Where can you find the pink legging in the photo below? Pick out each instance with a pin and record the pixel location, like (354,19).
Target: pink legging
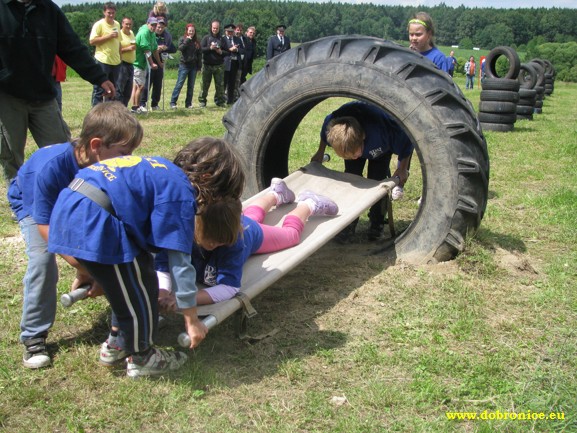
(276,238)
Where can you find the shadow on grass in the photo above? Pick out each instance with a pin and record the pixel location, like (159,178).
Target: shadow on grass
(490,239)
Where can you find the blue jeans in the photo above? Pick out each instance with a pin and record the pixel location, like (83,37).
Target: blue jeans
(39,303)
(185,72)
(470,83)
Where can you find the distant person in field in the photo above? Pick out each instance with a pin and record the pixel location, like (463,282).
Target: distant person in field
(128,56)
(278,43)
(470,71)
(105,36)
(190,64)
(452,63)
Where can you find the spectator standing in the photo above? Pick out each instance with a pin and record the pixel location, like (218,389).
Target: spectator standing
(421,36)
(249,53)
(470,67)
(241,63)
(127,56)
(165,47)
(232,52)
(452,63)
(146,50)
(59,75)
(105,36)
(159,10)
(212,65)
(190,64)
(278,44)
(32,34)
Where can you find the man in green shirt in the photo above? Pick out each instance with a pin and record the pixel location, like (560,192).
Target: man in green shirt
(146,48)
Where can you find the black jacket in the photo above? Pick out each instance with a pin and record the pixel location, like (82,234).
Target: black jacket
(190,53)
(30,37)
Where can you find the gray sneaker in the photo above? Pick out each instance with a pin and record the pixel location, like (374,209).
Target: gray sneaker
(35,354)
(110,355)
(324,206)
(279,186)
(156,363)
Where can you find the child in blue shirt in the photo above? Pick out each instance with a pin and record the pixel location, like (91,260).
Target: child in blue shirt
(147,204)
(108,130)
(225,239)
(359,132)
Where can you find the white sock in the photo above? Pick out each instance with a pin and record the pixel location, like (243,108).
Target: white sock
(278,198)
(311,204)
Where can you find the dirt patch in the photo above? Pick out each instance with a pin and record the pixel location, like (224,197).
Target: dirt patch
(515,263)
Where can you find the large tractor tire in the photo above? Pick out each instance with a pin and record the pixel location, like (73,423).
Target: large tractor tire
(424,100)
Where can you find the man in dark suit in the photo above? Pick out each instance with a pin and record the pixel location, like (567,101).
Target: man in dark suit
(250,53)
(278,44)
(232,53)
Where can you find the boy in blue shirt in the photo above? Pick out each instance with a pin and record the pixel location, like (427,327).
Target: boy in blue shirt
(108,130)
(359,132)
(145,205)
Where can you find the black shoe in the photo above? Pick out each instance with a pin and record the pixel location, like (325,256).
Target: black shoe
(35,354)
(375,231)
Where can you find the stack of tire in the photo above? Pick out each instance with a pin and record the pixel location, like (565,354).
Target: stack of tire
(527,92)
(539,66)
(500,94)
(549,77)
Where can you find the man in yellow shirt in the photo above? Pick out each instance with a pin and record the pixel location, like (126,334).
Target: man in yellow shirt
(105,36)
(127,56)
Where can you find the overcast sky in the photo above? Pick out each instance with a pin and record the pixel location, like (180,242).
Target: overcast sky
(508,4)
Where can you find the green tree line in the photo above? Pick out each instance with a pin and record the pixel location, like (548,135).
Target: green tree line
(485,28)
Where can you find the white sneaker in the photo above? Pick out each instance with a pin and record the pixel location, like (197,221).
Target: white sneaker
(141,110)
(110,355)
(398,192)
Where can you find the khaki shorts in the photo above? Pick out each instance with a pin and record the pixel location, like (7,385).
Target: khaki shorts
(139,77)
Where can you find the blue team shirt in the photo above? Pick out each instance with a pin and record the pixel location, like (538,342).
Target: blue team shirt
(34,190)
(383,135)
(438,58)
(223,265)
(154,204)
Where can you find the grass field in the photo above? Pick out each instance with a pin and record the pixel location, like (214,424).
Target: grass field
(359,344)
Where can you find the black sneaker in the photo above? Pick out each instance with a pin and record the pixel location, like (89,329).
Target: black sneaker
(375,231)
(35,354)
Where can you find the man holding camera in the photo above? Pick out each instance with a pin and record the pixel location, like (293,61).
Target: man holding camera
(213,52)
